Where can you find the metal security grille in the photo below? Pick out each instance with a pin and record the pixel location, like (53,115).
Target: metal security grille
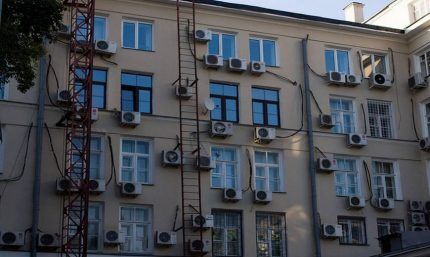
(380,118)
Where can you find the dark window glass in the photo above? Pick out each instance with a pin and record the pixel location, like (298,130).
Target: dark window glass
(98,90)
(136,92)
(226,102)
(265,107)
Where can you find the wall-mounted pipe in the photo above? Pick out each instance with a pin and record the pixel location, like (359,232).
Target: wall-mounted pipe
(309,119)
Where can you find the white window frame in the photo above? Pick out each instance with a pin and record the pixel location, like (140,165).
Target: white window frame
(225,231)
(415,6)
(105,17)
(417,61)
(387,223)
(269,230)
(135,155)
(136,34)
(266,170)
(396,179)
(348,221)
(260,40)
(378,118)
(102,154)
(223,169)
(336,65)
(149,223)
(345,173)
(425,130)
(372,57)
(2,150)
(100,224)
(354,111)
(220,46)
(6,91)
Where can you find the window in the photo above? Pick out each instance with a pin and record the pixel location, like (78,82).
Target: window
(226,102)
(353,231)
(386,180)
(420,8)
(95,226)
(271,236)
(425,111)
(263,50)
(136,224)
(388,226)
(2,147)
(223,44)
(337,60)
(99,88)
(135,161)
(136,93)
(380,119)
(374,63)
(3,90)
(225,174)
(267,171)
(100,28)
(425,63)
(137,35)
(342,111)
(265,106)
(96,162)
(227,234)
(346,177)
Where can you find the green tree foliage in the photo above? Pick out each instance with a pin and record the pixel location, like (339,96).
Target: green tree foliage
(24,24)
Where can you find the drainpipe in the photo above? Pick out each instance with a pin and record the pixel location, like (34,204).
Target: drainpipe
(38,154)
(309,118)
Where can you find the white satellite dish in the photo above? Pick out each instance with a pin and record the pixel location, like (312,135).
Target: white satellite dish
(209,105)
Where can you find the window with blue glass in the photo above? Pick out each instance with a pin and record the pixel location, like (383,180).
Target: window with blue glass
(99,88)
(100,28)
(337,60)
(3,89)
(223,44)
(136,92)
(137,35)
(263,50)
(226,102)
(265,106)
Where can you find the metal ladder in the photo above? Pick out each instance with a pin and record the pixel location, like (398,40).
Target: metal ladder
(189,125)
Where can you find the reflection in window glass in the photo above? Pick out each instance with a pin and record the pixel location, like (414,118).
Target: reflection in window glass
(225,97)
(136,92)
(265,106)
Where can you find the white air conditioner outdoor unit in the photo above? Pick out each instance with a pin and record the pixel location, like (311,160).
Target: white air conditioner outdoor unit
(417,81)
(165,238)
(130,119)
(337,78)
(205,163)
(105,47)
(131,189)
(170,158)
(419,228)
(326,121)
(184,92)
(264,135)
(356,140)
(381,81)
(113,237)
(417,218)
(221,129)
(326,165)
(97,186)
(257,68)
(237,64)
(352,80)
(331,231)
(202,221)
(262,196)
(416,205)
(12,238)
(213,61)
(64,96)
(355,202)
(232,195)
(64,31)
(202,35)
(425,144)
(199,247)
(47,240)
(385,203)
(64,185)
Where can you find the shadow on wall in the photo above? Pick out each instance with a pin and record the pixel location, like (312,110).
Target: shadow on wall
(298,224)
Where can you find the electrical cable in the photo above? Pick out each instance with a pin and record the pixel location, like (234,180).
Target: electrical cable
(302,122)
(53,151)
(369,181)
(364,118)
(248,155)
(393,67)
(108,61)
(294,83)
(316,102)
(189,43)
(360,64)
(47,82)
(316,73)
(413,119)
(321,152)
(113,168)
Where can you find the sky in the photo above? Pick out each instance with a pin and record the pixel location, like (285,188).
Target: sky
(323,8)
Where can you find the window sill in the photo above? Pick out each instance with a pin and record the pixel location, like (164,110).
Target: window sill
(273,66)
(354,244)
(141,50)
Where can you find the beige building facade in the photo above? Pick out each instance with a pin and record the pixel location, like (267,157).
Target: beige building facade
(139,77)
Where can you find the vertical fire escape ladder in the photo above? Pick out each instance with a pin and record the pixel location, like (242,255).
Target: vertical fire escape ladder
(78,129)
(189,128)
